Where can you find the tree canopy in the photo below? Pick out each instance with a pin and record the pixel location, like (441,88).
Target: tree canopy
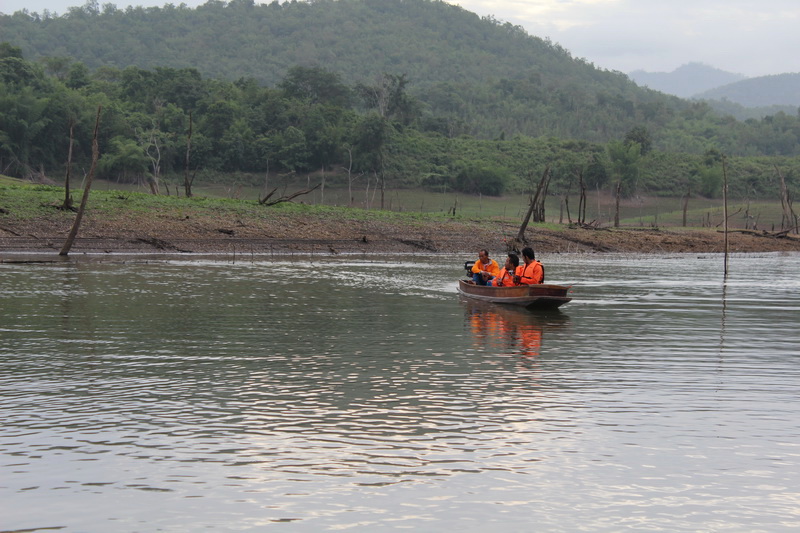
(419,91)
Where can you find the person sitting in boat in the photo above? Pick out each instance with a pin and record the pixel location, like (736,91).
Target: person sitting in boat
(533,271)
(507,275)
(484,268)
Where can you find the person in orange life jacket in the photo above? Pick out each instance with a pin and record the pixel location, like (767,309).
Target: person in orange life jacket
(507,273)
(533,271)
(484,268)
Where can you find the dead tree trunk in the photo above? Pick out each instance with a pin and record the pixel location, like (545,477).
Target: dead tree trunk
(789,219)
(187,183)
(349,170)
(541,196)
(725,208)
(565,205)
(747,214)
(582,201)
(685,206)
(67,193)
(616,205)
(155,161)
(383,187)
(322,188)
(520,239)
(85,199)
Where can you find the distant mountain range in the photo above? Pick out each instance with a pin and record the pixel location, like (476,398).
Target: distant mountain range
(686,80)
(726,92)
(779,89)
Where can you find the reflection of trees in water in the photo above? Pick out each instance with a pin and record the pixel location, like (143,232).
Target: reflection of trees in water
(510,330)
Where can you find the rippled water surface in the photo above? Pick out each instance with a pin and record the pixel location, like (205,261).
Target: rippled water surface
(364,394)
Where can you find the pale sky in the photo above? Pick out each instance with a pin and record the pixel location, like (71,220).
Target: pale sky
(753,38)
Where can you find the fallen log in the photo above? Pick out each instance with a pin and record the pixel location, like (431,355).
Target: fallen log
(285,198)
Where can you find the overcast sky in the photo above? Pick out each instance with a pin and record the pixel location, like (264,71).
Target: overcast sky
(753,38)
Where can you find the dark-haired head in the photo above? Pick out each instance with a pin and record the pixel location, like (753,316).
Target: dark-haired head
(528,252)
(514,259)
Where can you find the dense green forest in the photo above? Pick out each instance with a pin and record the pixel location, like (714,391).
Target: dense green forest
(413,93)
(477,76)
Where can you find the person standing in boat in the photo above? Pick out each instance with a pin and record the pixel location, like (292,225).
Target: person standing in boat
(533,271)
(484,268)
(507,275)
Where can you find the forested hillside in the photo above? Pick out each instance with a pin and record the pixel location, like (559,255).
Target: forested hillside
(485,77)
(406,93)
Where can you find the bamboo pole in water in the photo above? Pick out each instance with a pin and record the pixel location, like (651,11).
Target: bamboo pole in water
(725,214)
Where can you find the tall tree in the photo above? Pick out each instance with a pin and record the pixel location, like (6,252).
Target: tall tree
(316,85)
(641,136)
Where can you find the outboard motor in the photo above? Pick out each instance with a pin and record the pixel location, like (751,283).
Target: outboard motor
(468,267)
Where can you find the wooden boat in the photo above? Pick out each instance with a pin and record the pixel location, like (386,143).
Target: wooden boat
(542,296)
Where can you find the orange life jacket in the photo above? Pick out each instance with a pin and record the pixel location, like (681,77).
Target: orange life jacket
(532,273)
(505,279)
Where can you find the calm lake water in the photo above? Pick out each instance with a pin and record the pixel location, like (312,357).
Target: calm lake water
(362,394)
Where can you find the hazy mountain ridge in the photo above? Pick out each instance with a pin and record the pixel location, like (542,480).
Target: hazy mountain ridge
(686,80)
(764,94)
(774,90)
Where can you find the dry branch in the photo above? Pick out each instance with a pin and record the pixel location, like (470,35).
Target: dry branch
(285,198)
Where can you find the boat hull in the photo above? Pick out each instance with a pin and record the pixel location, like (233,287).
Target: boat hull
(542,296)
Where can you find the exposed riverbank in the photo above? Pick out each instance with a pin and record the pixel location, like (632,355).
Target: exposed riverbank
(333,231)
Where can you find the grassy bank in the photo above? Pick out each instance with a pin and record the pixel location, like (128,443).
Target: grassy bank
(639,211)
(124,219)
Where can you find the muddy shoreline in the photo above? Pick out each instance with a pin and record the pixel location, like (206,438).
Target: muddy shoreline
(302,234)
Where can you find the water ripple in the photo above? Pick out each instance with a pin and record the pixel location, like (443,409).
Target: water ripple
(176,396)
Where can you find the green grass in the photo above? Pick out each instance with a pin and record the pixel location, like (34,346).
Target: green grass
(5,180)
(668,212)
(26,201)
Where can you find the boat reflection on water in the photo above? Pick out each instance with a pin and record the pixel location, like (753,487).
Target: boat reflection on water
(507,330)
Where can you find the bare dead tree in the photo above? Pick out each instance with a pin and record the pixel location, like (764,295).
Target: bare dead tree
(150,141)
(452,210)
(350,178)
(67,205)
(726,218)
(582,201)
(565,205)
(322,188)
(685,205)
(541,196)
(789,219)
(747,216)
(533,209)
(155,161)
(616,205)
(383,182)
(371,201)
(85,199)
